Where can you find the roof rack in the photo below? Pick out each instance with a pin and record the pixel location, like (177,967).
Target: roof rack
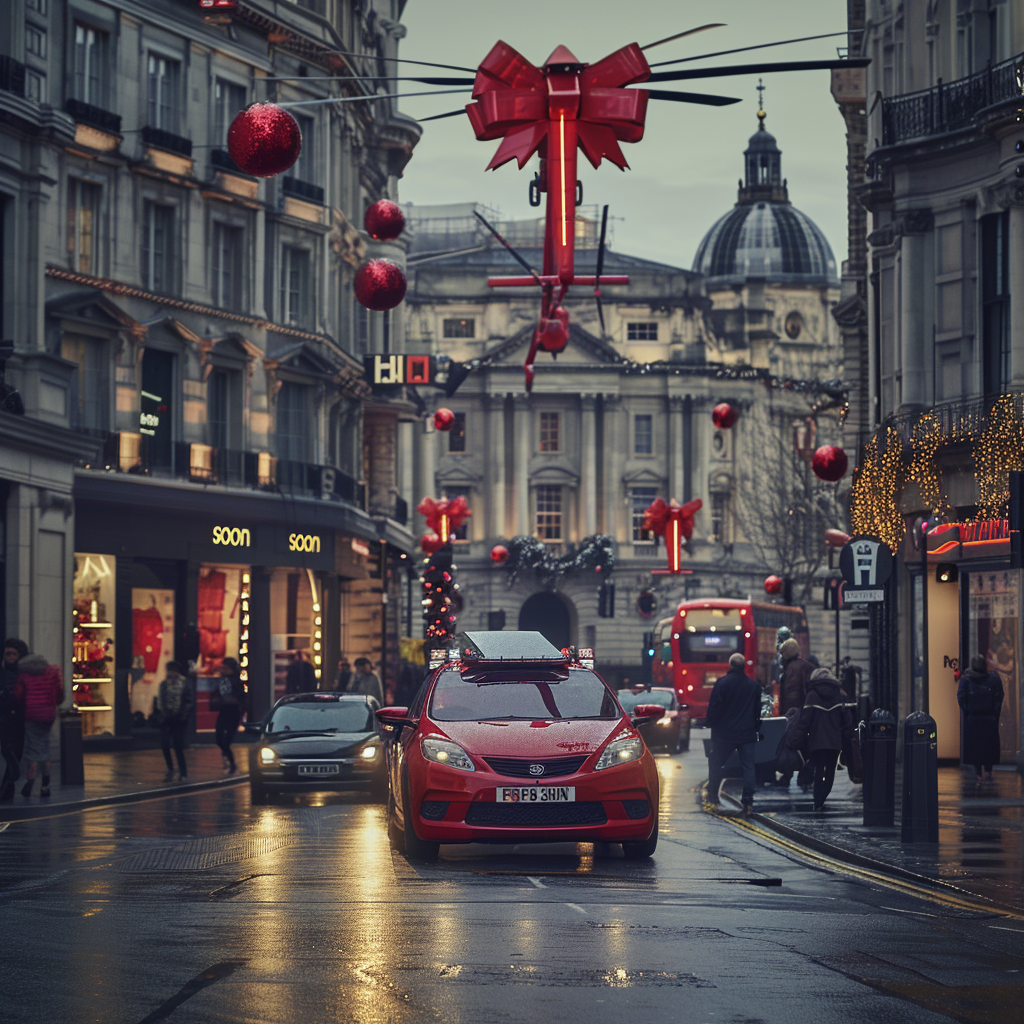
(511,646)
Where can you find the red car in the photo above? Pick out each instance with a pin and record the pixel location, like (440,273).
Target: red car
(514,741)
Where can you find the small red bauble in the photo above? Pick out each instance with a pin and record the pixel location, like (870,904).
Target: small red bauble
(499,553)
(380,285)
(384,220)
(443,419)
(554,331)
(772,585)
(724,415)
(264,140)
(829,463)
(431,543)
(836,538)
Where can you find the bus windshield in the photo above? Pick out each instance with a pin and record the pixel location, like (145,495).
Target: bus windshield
(710,635)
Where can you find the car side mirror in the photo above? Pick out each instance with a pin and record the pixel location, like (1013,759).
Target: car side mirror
(644,713)
(252,728)
(393,719)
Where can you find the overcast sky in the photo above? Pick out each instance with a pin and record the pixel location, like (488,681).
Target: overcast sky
(683,174)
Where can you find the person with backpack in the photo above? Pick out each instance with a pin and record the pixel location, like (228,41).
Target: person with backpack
(40,691)
(734,715)
(174,704)
(228,698)
(980,696)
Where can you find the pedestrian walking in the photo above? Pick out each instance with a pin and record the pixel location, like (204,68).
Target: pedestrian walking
(825,725)
(174,703)
(980,696)
(796,675)
(344,674)
(39,692)
(365,681)
(12,720)
(734,713)
(301,676)
(228,699)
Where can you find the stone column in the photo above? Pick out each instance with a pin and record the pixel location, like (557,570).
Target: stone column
(913,362)
(588,468)
(521,464)
(675,447)
(613,455)
(428,472)
(495,408)
(1016,290)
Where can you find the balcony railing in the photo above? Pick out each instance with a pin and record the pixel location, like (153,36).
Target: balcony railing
(86,113)
(303,190)
(161,139)
(12,76)
(220,159)
(948,107)
(962,420)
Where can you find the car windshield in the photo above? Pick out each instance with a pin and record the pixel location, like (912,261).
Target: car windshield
(629,700)
(327,717)
(581,695)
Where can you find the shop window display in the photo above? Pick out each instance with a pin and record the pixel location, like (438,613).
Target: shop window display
(152,647)
(222,595)
(92,674)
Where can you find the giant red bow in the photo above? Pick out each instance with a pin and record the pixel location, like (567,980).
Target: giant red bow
(454,508)
(516,102)
(659,513)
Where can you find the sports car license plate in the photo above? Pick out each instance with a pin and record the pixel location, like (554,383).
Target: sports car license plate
(536,794)
(318,769)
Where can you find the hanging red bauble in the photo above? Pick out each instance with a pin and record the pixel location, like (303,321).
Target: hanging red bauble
(444,419)
(264,140)
(553,332)
(384,220)
(724,415)
(836,538)
(772,585)
(430,543)
(829,463)
(380,284)
(499,553)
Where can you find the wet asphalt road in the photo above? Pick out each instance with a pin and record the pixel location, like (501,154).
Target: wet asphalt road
(200,908)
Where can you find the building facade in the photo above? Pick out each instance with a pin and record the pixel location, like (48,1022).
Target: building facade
(187,337)
(945,265)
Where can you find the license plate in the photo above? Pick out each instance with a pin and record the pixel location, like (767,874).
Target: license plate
(318,769)
(536,794)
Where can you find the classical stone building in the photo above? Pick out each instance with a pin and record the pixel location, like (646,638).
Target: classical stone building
(186,336)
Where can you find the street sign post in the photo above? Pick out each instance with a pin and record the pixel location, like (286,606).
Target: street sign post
(866,565)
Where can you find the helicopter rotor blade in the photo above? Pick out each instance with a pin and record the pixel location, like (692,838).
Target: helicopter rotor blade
(692,97)
(743,49)
(682,35)
(600,267)
(515,255)
(444,81)
(368,78)
(759,69)
(437,117)
(403,60)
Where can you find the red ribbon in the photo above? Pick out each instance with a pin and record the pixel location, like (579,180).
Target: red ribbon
(516,102)
(454,508)
(659,513)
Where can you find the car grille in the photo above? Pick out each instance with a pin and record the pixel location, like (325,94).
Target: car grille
(636,809)
(516,814)
(520,766)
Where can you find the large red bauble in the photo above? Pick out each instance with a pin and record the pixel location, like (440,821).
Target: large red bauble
(443,419)
(430,543)
(380,284)
(264,140)
(724,415)
(829,463)
(772,585)
(384,220)
(499,553)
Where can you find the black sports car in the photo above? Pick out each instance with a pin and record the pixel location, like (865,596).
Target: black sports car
(317,741)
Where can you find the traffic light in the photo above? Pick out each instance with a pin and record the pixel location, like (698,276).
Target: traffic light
(606,601)
(647,656)
(646,603)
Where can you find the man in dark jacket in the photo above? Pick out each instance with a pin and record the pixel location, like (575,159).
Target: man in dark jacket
(301,676)
(734,713)
(980,696)
(12,718)
(796,675)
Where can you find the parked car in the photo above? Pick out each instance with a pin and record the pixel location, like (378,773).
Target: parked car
(671,731)
(511,740)
(317,741)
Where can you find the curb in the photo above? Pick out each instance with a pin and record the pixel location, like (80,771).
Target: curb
(27,812)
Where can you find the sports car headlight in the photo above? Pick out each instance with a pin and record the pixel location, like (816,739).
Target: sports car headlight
(267,756)
(620,751)
(368,753)
(447,753)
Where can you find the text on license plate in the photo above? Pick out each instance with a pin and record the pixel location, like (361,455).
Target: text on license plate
(536,794)
(318,769)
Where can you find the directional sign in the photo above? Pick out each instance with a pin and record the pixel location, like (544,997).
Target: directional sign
(866,564)
(863,595)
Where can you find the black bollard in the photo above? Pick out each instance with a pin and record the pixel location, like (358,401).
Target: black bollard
(878,751)
(920,780)
(72,764)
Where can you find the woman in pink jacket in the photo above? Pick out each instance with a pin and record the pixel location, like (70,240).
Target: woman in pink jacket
(40,691)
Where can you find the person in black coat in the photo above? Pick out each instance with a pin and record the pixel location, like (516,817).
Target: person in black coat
(229,699)
(825,724)
(734,714)
(980,696)
(12,717)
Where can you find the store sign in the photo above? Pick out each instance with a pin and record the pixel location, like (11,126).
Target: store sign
(360,547)
(953,542)
(304,542)
(232,536)
(392,371)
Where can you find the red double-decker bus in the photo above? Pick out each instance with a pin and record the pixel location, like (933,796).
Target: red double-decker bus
(705,633)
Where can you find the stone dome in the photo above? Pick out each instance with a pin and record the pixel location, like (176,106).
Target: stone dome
(764,236)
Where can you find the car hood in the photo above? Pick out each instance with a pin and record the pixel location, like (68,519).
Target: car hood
(338,745)
(561,738)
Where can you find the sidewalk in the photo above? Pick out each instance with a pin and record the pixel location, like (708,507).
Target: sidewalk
(981,832)
(122,776)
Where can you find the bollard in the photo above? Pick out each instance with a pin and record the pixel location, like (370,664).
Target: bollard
(72,762)
(878,751)
(920,780)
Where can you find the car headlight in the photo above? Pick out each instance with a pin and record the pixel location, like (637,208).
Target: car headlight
(369,753)
(620,751)
(267,756)
(447,753)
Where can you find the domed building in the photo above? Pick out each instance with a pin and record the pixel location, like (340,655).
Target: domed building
(771,275)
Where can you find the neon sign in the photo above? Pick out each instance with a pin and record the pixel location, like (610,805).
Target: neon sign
(232,536)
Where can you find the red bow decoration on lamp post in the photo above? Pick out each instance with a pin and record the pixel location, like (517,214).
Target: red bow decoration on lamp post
(445,515)
(674,522)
